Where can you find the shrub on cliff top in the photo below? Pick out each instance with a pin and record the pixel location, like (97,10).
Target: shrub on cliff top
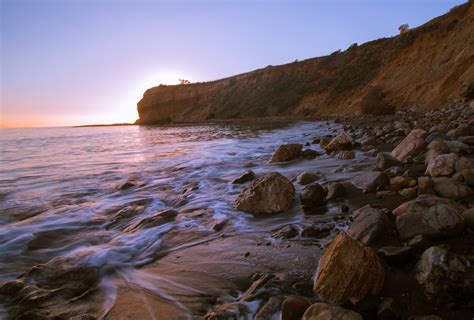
(373,103)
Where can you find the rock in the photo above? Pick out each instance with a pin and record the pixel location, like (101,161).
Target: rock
(369,224)
(343,154)
(429,216)
(384,161)
(324,141)
(336,266)
(461,130)
(425,182)
(430,317)
(286,232)
(246,177)
(408,192)
(439,147)
(317,231)
(127,185)
(395,255)
(306,178)
(313,194)
(324,311)
(468,176)
(469,218)
(371,181)
(467,139)
(341,142)
(442,165)
(411,146)
(458,147)
(335,190)
(400,182)
(451,188)
(385,194)
(286,152)
(156,219)
(219,225)
(368,142)
(293,307)
(309,154)
(464,164)
(444,274)
(388,310)
(271,193)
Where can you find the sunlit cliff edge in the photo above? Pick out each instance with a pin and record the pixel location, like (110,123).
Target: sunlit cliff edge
(430,66)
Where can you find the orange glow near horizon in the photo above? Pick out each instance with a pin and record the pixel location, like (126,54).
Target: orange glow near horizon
(121,109)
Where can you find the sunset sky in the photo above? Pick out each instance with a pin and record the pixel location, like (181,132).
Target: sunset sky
(71,62)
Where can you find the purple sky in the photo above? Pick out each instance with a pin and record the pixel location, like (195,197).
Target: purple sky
(69,62)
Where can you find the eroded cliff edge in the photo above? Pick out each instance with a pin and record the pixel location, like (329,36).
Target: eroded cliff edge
(430,66)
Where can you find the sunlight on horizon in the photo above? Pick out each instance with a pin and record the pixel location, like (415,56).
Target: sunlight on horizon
(123,109)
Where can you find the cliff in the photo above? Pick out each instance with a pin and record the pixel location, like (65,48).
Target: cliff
(430,66)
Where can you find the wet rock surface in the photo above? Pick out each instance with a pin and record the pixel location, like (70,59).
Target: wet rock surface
(271,193)
(286,152)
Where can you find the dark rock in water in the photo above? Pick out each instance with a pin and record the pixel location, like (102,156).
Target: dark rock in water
(341,142)
(335,190)
(388,310)
(287,232)
(189,187)
(271,193)
(12,287)
(369,224)
(309,154)
(451,188)
(429,216)
(313,194)
(343,154)
(445,275)
(246,177)
(322,311)
(333,271)
(371,181)
(306,178)
(384,161)
(156,219)
(317,231)
(286,152)
(293,307)
(127,185)
(395,255)
(219,225)
(324,141)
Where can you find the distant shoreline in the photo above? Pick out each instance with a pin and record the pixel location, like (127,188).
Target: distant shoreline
(105,125)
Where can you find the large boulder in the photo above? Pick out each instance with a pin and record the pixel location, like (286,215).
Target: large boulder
(286,152)
(324,311)
(271,193)
(442,165)
(335,190)
(338,279)
(369,224)
(341,142)
(444,274)
(429,215)
(371,181)
(411,146)
(451,188)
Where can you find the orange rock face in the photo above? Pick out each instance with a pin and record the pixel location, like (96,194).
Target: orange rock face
(348,270)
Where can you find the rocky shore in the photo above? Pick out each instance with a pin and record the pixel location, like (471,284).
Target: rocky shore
(383,232)
(413,260)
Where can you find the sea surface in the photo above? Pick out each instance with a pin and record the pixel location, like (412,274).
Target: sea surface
(61,195)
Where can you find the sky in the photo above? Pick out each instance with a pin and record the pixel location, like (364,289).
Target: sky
(73,62)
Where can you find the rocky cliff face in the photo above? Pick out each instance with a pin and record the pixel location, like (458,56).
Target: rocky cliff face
(430,66)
